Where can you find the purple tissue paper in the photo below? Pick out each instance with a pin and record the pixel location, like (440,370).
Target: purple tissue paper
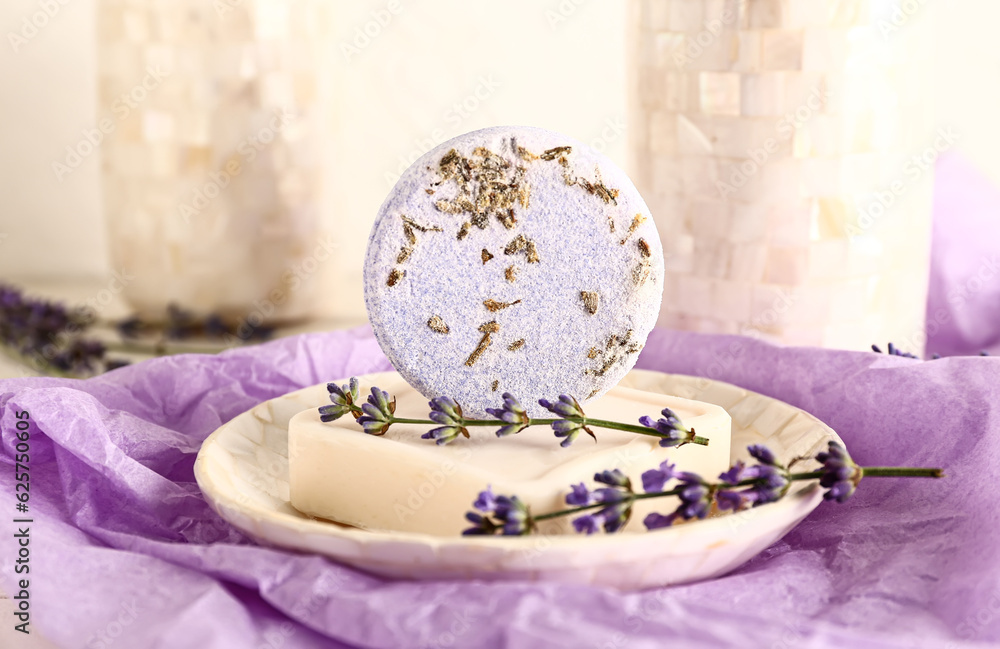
(126,552)
(963,306)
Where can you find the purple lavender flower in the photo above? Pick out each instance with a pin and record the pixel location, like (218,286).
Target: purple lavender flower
(654,521)
(894,351)
(695,495)
(734,474)
(378,411)
(565,407)
(505,515)
(116,364)
(578,495)
(673,432)
(569,430)
(612,518)
(347,392)
(47,334)
(486,501)
(445,434)
(514,514)
(447,412)
(615,478)
(730,500)
(616,516)
(481,525)
(696,500)
(180,323)
(79,356)
(762,454)
(656,479)
(572,421)
(769,483)
(130,327)
(763,483)
(343,398)
(610,494)
(840,474)
(617,497)
(587,524)
(512,413)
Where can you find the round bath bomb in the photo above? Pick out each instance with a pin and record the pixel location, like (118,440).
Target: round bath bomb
(513,259)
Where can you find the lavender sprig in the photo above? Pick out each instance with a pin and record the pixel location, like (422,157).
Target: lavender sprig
(615,502)
(501,515)
(377,412)
(738,488)
(670,427)
(343,398)
(896,351)
(512,414)
(572,420)
(49,337)
(377,416)
(447,412)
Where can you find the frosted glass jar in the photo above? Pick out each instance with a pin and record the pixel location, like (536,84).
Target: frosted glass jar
(211,163)
(785,148)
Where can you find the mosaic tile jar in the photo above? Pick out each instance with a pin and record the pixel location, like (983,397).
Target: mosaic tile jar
(211,157)
(785,148)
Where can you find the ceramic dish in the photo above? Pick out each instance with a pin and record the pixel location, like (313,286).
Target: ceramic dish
(242,469)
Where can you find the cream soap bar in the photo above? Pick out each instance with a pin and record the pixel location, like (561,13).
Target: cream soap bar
(400,482)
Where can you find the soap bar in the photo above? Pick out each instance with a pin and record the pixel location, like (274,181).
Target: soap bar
(400,482)
(513,259)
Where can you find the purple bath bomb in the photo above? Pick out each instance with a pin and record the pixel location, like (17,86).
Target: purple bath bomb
(513,259)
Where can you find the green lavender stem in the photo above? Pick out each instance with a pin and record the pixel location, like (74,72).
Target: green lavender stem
(881,472)
(586,421)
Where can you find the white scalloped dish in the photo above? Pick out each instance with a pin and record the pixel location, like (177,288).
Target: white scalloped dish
(242,469)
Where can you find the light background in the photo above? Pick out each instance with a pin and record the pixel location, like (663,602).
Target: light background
(559,65)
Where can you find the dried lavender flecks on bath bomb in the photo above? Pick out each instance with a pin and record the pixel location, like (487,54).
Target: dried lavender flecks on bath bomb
(569,305)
